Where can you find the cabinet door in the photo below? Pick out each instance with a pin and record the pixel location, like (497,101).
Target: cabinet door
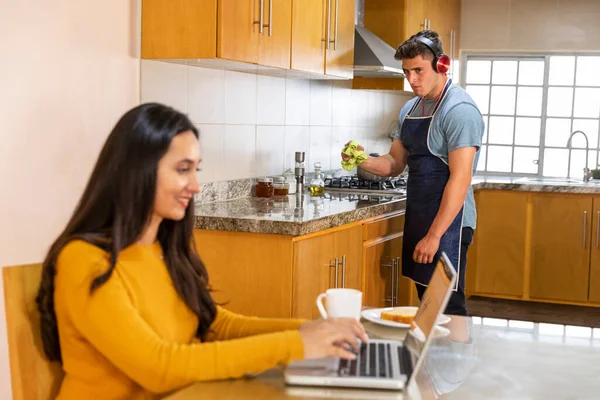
(308,34)
(560,247)
(501,242)
(414,17)
(313,274)
(379,272)
(594,294)
(179,29)
(275,41)
(348,248)
(238,32)
(339,55)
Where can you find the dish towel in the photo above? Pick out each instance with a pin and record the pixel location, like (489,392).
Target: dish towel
(357,157)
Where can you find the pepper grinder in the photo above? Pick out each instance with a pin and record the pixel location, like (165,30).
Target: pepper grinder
(299,171)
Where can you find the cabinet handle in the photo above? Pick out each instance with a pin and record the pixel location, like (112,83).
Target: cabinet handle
(397,276)
(328,35)
(597,226)
(335,28)
(270,24)
(584,226)
(261,17)
(424,24)
(343,271)
(428,24)
(393,281)
(335,265)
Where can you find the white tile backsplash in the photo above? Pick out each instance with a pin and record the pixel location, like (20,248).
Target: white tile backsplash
(240,98)
(163,83)
(251,125)
(270,101)
(297,102)
(320,103)
(211,145)
(205,95)
(239,152)
(269,149)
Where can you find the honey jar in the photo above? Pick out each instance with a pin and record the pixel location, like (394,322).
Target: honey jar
(264,187)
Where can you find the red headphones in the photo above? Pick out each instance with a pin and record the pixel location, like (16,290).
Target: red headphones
(441,62)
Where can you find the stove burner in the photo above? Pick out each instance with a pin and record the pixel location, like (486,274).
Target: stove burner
(353,183)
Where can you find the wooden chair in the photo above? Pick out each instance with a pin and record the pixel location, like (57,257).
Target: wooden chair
(33,377)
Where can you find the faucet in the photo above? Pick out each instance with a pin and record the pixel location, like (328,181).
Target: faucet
(586,170)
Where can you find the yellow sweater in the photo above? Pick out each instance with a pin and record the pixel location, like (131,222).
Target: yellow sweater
(133,337)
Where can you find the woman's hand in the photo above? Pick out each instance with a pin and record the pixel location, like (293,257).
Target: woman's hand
(331,337)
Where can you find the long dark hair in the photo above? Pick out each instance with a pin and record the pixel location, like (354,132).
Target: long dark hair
(117,205)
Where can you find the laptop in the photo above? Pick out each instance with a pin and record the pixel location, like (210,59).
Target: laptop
(383,364)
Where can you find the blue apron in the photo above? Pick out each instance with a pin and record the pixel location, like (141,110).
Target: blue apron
(427,178)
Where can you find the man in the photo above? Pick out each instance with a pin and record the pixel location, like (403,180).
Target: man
(439,136)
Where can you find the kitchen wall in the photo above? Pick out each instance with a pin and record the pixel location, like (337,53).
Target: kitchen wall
(251,124)
(68,70)
(530,25)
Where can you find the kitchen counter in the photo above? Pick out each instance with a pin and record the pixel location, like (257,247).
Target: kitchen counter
(294,215)
(555,185)
(499,360)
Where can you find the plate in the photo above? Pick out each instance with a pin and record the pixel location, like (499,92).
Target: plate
(374,315)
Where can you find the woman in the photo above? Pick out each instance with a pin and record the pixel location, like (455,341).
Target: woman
(125,300)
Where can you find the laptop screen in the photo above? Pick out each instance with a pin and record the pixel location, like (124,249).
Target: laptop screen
(433,303)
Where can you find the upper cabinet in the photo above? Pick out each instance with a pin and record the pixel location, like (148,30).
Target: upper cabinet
(312,36)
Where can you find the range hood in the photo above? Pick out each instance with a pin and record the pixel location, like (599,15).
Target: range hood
(373,58)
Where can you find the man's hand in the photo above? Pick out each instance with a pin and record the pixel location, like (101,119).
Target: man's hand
(346,157)
(426,249)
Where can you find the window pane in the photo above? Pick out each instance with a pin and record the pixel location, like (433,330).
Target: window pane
(503,100)
(499,158)
(456,72)
(587,103)
(555,162)
(478,71)
(562,70)
(560,101)
(527,131)
(578,163)
(481,161)
(531,73)
(501,130)
(529,101)
(587,71)
(481,97)
(590,128)
(557,132)
(524,160)
(504,72)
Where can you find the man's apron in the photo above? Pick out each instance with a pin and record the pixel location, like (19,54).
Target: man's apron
(427,178)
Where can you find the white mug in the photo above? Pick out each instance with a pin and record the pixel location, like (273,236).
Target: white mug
(340,303)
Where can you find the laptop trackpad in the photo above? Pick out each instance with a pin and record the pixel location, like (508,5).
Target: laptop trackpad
(318,367)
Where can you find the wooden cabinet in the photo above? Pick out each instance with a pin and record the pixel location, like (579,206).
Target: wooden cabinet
(594,286)
(384,285)
(500,243)
(251,31)
(331,260)
(560,247)
(323,37)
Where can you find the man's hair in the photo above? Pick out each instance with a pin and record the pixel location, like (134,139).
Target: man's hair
(411,47)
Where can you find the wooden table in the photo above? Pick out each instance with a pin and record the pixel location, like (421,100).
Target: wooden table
(520,361)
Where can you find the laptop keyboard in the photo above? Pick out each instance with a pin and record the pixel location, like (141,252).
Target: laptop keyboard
(372,360)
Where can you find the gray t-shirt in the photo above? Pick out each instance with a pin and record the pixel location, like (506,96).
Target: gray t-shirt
(457,123)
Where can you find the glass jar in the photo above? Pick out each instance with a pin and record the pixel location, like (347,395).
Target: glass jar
(291,180)
(264,187)
(317,185)
(280,186)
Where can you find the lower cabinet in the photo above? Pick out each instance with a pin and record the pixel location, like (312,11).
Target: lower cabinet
(536,246)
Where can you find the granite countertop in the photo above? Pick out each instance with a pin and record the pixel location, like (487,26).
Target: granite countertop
(556,185)
(294,215)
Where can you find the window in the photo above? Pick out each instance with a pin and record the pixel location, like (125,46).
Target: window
(530,105)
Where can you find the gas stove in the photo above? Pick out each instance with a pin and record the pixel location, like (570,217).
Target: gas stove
(353,184)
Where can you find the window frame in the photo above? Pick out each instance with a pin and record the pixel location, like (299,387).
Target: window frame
(530,56)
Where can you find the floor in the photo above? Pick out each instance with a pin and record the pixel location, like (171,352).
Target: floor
(535,312)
